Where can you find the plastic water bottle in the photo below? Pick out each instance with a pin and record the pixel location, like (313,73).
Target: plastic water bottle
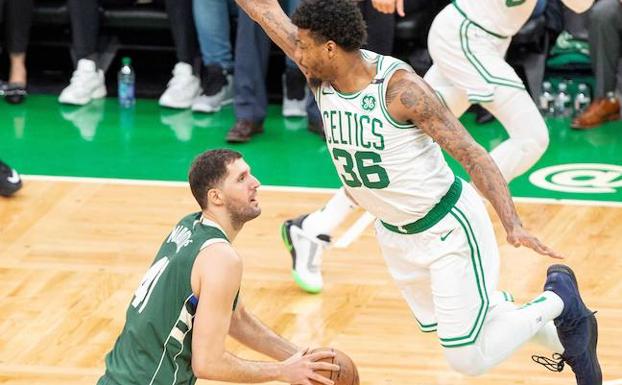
(562,100)
(126,79)
(582,99)
(547,100)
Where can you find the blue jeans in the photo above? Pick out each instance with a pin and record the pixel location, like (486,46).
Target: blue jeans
(251,66)
(212,20)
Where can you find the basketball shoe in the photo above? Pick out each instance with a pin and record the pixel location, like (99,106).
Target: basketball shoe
(306,251)
(10,180)
(576,327)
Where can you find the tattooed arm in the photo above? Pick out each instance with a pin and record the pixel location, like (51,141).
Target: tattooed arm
(410,99)
(270,16)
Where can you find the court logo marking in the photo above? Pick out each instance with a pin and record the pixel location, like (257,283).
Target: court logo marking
(584,178)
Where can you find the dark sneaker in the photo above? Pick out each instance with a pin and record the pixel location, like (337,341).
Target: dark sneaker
(306,251)
(10,181)
(576,327)
(243,130)
(15,93)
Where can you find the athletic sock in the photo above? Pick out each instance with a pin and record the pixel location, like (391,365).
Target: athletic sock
(327,219)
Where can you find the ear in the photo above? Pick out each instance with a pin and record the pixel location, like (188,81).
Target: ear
(331,48)
(215,197)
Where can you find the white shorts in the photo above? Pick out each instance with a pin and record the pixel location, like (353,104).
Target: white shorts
(467,57)
(448,274)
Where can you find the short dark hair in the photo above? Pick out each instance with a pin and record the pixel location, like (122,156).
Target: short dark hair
(207,170)
(338,20)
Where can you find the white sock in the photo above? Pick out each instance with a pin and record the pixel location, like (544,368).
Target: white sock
(504,331)
(327,219)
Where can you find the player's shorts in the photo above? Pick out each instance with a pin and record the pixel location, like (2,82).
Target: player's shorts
(448,273)
(468,57)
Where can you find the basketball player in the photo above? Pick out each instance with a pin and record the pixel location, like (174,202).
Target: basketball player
(385,129)
(467,41)
(188,301)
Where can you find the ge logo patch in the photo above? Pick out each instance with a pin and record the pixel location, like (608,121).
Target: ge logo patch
(368,103)
(587,178)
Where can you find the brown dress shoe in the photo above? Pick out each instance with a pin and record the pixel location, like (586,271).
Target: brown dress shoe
(597,113)
(243,130)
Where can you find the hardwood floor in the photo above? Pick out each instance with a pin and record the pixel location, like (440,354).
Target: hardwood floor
(71,255)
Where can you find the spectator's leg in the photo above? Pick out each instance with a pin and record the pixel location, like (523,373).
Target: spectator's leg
(18,20)
(251,65)
(380,28)
(605,38)
(84,18)
(211,18)
(183,29)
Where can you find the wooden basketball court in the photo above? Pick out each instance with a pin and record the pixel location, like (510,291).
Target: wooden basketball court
(72,254)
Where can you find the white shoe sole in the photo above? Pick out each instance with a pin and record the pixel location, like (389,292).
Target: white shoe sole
(209,109)
(99,93)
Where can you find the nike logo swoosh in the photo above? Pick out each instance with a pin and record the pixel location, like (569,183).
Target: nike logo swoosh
(443,237)
(14,178)
(327,93)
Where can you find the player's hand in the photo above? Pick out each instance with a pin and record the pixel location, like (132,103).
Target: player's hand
(389,6)
(300,368)
(520,237)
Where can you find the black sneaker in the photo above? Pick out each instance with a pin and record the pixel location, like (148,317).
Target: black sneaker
(15,93)
(10,181)
(576,327)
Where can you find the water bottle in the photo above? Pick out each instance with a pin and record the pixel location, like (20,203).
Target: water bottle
(562,100)
(547,100)
(126,79)
(582,99)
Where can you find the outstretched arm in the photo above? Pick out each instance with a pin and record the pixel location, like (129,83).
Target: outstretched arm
(410,99)
(270,16)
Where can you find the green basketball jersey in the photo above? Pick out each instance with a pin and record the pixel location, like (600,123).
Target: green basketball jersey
(155,346)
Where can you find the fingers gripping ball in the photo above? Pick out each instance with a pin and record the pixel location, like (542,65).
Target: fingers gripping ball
(347,375)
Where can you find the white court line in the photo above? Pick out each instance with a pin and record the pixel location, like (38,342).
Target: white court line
(355,230)
(316,190)
(613,382)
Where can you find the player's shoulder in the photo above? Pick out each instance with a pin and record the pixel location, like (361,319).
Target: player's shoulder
(221,253)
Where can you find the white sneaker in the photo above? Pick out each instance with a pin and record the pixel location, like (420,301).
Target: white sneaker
(306,252)
(87,83)
(213,103)
(294,107)
(182,89)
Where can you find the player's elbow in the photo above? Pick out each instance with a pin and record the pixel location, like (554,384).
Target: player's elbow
(204,368)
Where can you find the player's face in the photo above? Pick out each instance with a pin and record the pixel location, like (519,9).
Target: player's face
(313,57)
(240,192)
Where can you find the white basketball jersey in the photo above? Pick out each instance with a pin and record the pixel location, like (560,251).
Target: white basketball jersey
(395,171)
(503,17)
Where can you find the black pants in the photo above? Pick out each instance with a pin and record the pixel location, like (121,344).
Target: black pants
(84,15)
(380,28)
(16,15)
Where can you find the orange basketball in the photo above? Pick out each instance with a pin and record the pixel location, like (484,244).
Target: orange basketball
(347,375)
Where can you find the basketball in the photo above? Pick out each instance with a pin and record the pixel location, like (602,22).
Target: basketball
(347,375)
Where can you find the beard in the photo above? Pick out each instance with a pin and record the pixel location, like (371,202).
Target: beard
(240,214)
